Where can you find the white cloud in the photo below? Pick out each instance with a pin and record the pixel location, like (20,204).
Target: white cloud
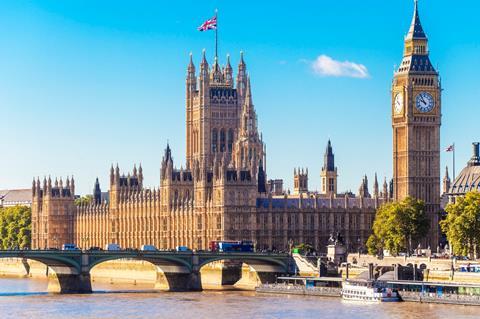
(326,66)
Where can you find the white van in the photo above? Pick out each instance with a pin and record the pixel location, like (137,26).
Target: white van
(69,247)
(148,248)
(182,248)
(112,247)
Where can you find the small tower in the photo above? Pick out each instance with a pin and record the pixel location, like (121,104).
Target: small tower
(329,175)
(446,182)
(97,193)
(385,190)
(363,189)
(375,187)
(300,180)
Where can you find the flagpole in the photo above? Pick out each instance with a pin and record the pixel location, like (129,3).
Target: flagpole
(453,161)
(216,34)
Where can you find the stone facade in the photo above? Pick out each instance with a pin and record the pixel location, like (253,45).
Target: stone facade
(220,194)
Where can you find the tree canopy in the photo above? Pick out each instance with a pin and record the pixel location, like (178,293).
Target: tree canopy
(462,224)
(397,225)
(15,227)
(84,200)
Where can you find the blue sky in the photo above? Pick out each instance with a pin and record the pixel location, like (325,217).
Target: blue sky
(84,84)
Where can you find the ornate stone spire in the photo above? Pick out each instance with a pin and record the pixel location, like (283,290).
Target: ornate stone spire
(416,29)
(191,66)
(248,126)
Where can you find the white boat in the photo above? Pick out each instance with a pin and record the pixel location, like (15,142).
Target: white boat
(367,291)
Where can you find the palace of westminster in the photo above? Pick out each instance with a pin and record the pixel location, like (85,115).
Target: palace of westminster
(222,191)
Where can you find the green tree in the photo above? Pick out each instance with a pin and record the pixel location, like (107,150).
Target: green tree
(15,227)
(462,224)
(84,200)
(305,248)
(397,225)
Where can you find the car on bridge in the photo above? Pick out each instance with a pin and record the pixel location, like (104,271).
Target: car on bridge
(69,247)
(148,248)
(111,247)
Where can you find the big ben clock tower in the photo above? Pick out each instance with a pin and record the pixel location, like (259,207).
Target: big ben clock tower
(416,120)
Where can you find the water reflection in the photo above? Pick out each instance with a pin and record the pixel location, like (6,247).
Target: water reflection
(22,298)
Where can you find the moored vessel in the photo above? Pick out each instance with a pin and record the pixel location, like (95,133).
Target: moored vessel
(368,291)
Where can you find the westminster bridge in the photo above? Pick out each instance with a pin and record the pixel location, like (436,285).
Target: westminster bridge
(69,270)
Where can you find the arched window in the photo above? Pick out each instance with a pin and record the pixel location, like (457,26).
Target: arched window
(214,140)
(222,140)
(230,140)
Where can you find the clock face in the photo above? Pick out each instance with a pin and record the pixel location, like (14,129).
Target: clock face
(424,102)
(398,103)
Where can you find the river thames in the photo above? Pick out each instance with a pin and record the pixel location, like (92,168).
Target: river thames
(26,298)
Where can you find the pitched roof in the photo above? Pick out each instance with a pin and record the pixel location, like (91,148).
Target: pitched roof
(16,196)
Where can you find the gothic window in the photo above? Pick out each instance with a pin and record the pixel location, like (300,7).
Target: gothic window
(219,222)
(214,140)
(230,140)
(222,140)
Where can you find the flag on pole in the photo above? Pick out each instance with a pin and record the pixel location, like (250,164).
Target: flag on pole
(210,24)
(451,148)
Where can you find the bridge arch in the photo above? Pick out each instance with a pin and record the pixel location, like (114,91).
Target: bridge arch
(260,269)
(173,271)
(64,271)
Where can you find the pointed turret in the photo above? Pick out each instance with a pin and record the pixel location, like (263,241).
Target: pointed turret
(112,175)
(204,65)
(191,80)
(216,75)
(446,182)
(262,180)
(416,29)
(363,189)
(329,175)
(385,190)
(228,72)
(241,78)
(72,187)
(375,187)
(140,175)
(329,158)
(191,66)
(97,193)
(248,125)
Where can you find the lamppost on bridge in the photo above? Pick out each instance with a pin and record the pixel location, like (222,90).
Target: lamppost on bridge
(290,245)
(55,241)
(85,242)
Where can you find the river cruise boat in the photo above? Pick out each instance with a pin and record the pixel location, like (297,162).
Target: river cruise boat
(367,291)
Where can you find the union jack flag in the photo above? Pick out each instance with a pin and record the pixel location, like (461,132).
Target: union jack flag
(451,148)
(210,24)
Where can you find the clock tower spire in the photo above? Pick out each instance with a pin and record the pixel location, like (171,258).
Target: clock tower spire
(416,120)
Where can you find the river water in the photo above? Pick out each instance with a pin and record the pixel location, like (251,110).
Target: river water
(26,298)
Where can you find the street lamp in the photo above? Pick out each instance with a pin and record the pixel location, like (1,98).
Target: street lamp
(55,240)
(84,242)
(290,245)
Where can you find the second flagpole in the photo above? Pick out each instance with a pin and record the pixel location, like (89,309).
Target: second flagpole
(216,33)
(453,161)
